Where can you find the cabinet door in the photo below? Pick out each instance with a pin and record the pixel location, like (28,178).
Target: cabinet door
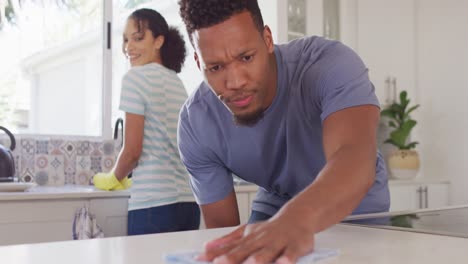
(37,221)
(404,197)
(383,33)
(418,196)
(244,206)
(111,215)
(436,195)
(252,196)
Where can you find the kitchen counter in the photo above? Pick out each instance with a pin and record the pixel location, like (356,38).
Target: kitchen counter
(61,192)
(356,245)
(46,214)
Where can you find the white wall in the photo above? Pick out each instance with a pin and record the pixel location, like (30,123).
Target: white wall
(442,57)
(274,13)
(424,43)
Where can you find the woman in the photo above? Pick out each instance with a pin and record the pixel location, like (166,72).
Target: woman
(152,95)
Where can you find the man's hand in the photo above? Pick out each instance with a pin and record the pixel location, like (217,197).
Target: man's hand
(281,240)
(108,181)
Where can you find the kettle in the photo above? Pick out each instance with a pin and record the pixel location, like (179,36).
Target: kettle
(7,162)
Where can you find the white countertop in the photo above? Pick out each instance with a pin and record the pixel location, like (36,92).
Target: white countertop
(249,187)
(357,245)
(418,181)
(61,192)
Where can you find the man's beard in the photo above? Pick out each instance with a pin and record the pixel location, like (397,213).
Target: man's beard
(249,119)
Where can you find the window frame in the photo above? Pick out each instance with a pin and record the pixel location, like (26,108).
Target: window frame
(106,99)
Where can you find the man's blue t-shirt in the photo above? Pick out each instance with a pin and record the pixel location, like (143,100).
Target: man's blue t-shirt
(283,152)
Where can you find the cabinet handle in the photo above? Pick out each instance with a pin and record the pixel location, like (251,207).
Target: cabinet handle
(420,190)
(426,200)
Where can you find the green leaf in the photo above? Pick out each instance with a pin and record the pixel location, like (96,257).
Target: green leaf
(411,145)
(400,135)
(411,110)
(403,97)
(388,113)
(392,142)
(403,220)
(396,108)
(398,114)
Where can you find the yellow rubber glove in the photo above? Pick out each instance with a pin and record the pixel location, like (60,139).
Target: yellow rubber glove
(125,183)
(106,181)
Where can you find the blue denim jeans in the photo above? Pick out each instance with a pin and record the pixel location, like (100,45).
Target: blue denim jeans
(166,218)
(257,216)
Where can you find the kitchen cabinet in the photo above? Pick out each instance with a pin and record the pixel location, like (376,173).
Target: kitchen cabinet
(383,33)
(291,19)
(245,195)
(404,195)
(410,195)
(47,215)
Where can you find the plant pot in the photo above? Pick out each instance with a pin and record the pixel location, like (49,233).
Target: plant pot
(404,164)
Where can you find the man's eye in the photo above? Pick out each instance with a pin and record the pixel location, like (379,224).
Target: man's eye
(214,68)
(247,58)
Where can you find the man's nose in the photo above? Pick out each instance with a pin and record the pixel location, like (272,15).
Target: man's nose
(236,77)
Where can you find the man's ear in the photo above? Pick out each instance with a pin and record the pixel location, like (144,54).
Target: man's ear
(195,57)
(268,38)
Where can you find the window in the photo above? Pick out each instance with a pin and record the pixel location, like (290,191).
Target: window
(55,64)
(51,66)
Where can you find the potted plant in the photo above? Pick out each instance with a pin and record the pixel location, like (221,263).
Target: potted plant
(404,161)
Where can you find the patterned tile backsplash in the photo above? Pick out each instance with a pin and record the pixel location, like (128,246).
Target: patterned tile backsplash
(57,162)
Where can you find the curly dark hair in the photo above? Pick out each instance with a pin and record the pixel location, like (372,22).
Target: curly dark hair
(173,50)
(198,14)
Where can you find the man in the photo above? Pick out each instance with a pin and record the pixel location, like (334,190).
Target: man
(299,120)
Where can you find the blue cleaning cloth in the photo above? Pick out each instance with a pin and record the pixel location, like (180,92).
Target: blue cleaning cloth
(189,257)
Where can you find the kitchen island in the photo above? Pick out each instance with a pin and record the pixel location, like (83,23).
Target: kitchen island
(46,214)
(356,244)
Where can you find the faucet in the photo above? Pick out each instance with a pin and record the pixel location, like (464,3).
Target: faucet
(118,123)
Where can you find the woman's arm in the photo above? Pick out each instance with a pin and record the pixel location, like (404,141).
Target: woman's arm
(133,145)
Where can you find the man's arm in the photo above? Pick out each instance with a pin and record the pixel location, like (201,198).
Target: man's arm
(212,182)
(349,141)
(223,213)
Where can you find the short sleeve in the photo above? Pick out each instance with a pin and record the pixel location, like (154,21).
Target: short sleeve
(343,82)
(132,94)
(211,181)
